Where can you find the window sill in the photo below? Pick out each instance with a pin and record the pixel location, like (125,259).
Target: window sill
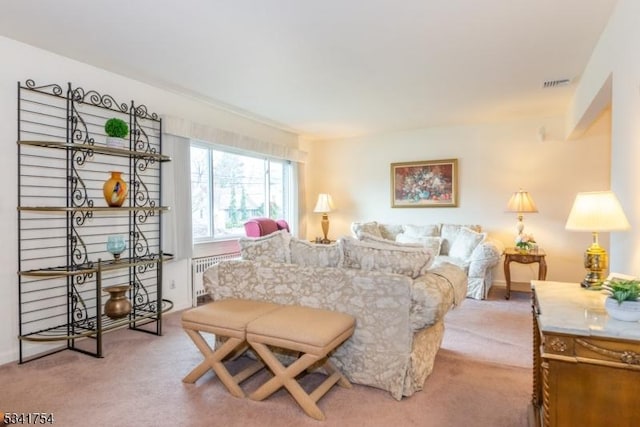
(216,247)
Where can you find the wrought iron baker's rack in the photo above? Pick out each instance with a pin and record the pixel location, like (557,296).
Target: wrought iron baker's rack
(64,222)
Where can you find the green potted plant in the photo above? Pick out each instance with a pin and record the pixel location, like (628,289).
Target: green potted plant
(116,130)
(623,298)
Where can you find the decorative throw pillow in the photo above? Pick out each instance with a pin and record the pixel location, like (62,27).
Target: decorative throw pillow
(430,242)
(357,228)
(273,247)
(466,241)
(390,231)
(315,255)
(421,230)
(449,232)
(366,237)
(398,259)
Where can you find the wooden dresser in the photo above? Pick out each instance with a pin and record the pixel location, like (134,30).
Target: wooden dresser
(586,366)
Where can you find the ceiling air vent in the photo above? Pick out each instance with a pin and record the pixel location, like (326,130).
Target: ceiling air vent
(556,83)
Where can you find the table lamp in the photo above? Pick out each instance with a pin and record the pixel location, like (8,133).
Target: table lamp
(596,211)
(521,202)
(324,206)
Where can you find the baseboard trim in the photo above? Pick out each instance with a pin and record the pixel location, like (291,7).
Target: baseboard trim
(9,356)
(515,286)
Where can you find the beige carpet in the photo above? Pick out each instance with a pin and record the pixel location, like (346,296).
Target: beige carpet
(482,377)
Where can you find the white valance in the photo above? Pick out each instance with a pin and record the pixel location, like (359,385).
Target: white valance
(187,129)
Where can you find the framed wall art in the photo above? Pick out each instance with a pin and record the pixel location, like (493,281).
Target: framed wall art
(424,184)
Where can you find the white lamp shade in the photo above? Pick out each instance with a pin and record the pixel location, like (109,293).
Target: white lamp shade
(324,203)
(597,211)
(521,201)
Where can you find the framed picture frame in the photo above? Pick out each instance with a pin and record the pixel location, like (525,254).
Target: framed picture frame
(424,184)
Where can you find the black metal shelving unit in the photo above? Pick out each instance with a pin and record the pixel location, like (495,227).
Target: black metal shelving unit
(64,222)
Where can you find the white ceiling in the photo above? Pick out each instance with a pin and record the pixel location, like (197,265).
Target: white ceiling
(333,68)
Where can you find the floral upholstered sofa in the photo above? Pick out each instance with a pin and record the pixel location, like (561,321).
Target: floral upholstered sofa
(463,245)
(399,302)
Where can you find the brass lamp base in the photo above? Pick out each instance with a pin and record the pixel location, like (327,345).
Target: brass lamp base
(596,263)
(325,227)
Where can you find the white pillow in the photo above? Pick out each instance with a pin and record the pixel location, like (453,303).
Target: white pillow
(315,255)
(358,228)
(272,247)
(449,232)
(465,242)
(390,258)
(389,231)
(430,242)
(366,237)
(421,230)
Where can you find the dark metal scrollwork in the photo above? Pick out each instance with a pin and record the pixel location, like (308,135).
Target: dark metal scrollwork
(141,143)
(141,194)
(80,218)
(141,244)
(141,297)
(143,216)
(80,133)
(94,98)
(52,89)
(141,111)
(78,249)
(79,196)
(81,279)
(79,311)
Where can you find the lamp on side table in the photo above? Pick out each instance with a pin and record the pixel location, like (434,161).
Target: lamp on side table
(596,211)
(324,205)
(521,202)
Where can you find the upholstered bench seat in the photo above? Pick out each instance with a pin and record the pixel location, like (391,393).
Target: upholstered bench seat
(310,331)
(225,319)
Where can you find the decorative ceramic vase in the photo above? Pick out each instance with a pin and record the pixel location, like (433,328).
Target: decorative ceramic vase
(115,190)
(117,306)
(628,311)
(116,245)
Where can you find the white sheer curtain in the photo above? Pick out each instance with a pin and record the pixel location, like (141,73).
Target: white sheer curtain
(176,193)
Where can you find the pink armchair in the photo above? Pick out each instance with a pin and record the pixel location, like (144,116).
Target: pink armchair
(282,225)
(257,227)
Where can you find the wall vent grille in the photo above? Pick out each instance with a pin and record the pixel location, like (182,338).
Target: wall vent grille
(556,83)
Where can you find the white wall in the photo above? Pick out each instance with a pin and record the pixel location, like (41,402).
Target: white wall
(494,161)
(21,62)
(616,55)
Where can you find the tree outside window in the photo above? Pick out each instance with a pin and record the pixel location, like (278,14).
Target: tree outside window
(229,188)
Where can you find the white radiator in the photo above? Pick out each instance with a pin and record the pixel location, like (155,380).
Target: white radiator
(198,267)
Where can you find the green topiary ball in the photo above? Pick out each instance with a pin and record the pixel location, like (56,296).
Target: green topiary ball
(116,128)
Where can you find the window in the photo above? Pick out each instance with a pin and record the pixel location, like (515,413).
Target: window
(229,188)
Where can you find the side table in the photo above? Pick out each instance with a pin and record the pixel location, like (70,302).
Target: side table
(515,255)
(321,242)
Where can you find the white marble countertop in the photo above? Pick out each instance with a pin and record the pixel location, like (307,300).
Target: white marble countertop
(568,308)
